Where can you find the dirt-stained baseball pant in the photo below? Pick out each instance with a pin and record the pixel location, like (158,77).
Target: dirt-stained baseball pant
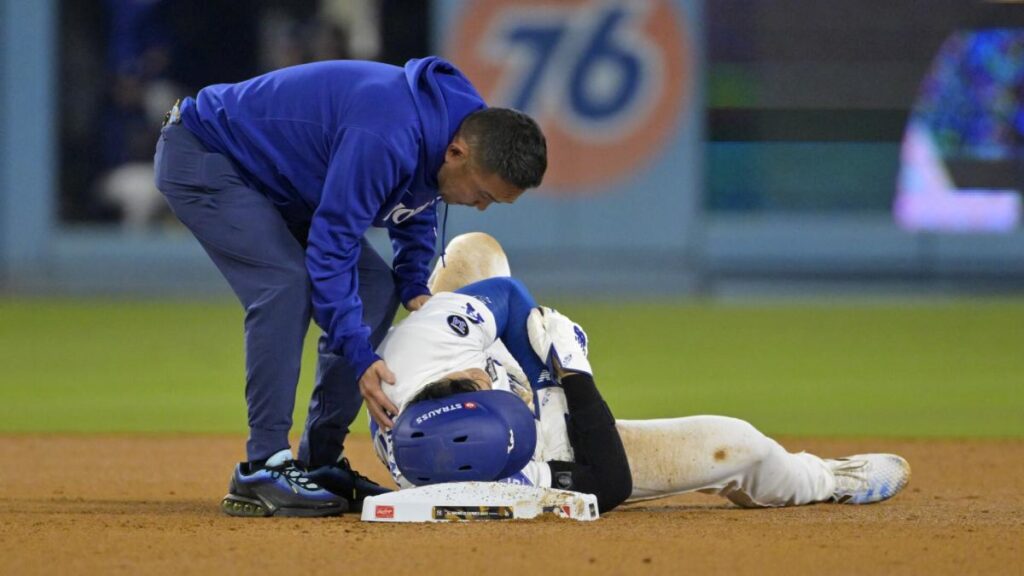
(720,455)
(264,262)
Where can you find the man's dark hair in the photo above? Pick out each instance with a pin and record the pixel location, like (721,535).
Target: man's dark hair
(508,143)
(443,388)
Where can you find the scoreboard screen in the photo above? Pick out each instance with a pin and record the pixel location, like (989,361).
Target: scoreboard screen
(887,107)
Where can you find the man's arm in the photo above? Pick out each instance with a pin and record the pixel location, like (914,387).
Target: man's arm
(414,242)
(363,171)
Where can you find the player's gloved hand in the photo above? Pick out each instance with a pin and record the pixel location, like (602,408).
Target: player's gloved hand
(380,407)
(558,341)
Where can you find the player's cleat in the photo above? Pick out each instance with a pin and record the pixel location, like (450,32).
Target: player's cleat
(868,478)
(278,488)
(342,480)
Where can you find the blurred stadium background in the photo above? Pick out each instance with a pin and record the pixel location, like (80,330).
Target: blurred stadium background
(802,213)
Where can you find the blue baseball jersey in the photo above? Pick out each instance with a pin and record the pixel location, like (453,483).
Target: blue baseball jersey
(340,146)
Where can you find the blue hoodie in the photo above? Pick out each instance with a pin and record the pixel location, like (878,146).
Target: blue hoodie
(341,146)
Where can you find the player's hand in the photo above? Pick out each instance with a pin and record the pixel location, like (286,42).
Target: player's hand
(381,408)
(558,341)
(417,302)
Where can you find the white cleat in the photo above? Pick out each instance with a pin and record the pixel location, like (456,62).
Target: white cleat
(868,478)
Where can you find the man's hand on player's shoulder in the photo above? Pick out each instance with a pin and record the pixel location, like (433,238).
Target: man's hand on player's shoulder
(370,386)
(417,302)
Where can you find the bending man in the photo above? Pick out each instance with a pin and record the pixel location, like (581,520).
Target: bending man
(279,178)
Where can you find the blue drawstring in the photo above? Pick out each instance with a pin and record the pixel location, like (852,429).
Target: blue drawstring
(444,232)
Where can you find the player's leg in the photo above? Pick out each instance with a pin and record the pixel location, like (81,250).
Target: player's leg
(336,399)
(253,248)
(468,258)
(720,455)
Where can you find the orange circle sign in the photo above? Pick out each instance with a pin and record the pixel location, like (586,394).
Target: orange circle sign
(606,80)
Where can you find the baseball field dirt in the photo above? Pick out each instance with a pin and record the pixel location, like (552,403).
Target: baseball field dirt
(149,505)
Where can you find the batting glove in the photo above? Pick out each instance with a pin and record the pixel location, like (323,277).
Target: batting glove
(558,341)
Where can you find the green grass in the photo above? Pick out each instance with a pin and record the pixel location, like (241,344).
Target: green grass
(900,368)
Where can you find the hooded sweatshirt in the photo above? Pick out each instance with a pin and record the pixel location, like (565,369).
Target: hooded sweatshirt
(340,146)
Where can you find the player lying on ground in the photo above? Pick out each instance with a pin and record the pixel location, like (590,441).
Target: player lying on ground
(474,367)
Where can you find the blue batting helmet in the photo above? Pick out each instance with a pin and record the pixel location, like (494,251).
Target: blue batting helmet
(474,436)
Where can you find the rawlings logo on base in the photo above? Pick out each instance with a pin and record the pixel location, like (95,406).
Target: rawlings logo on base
(384,512)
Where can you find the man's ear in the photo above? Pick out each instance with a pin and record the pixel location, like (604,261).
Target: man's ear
(457,151)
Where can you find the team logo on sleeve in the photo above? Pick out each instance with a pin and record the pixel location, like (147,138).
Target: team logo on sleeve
(581,337)
(458,325)
(474,316)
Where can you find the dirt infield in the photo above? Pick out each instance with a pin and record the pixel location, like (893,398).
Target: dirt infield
(130,505)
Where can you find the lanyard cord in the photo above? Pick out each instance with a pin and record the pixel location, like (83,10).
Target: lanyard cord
(444,232)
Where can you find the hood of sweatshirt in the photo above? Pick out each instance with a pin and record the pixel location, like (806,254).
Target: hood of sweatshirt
(443,97)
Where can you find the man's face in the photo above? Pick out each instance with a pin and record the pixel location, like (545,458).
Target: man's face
(463,183)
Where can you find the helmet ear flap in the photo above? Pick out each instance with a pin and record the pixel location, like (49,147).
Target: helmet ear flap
(522,440)
(476,436)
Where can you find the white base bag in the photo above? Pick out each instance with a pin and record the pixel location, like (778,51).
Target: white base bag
(473,501)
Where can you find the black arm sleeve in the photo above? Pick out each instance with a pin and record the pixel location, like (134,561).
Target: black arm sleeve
(601,467)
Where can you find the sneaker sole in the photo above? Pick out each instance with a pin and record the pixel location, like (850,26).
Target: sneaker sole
(240,506)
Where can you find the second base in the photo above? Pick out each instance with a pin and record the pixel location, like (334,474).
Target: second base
(472,501)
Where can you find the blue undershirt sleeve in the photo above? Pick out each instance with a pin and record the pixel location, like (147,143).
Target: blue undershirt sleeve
(511,303)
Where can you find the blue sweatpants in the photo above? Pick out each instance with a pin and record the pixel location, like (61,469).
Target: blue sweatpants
(263,260)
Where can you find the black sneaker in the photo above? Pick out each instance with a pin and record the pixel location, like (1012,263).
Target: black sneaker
(342,480)
(281,490)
